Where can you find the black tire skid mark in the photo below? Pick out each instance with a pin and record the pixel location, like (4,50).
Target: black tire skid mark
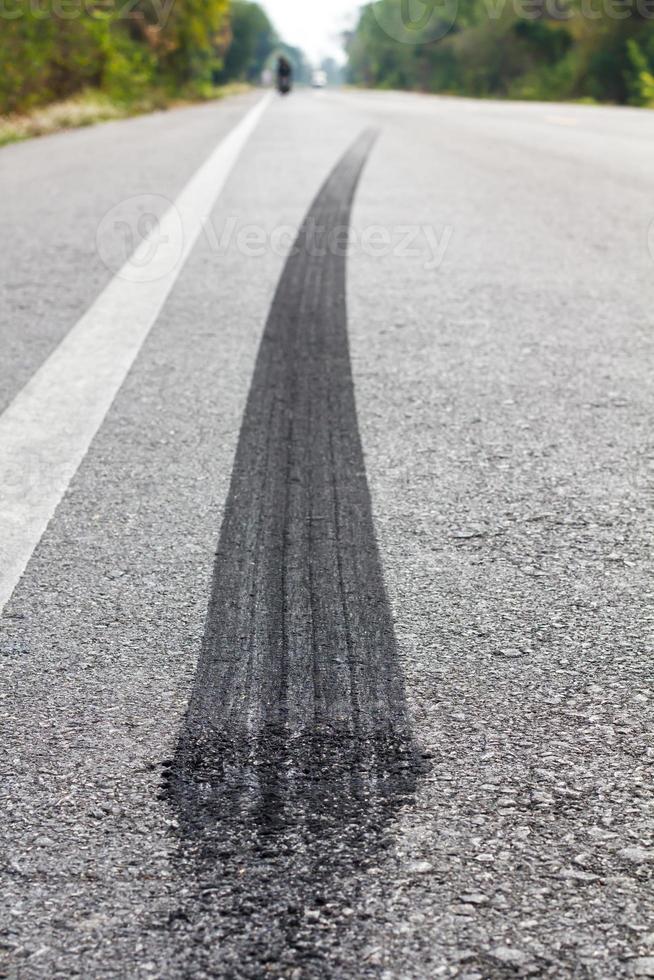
(296,750)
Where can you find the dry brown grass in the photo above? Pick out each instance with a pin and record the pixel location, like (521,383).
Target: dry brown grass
(90,108)
(84,110)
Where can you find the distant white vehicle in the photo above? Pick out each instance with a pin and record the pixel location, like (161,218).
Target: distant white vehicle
(319,78)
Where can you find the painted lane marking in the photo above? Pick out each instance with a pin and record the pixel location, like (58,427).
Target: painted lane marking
(47,429)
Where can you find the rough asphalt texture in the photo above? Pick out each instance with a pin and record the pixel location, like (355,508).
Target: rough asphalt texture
(296,748)
(504,402)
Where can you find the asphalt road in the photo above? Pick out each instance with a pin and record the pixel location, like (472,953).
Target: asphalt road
(465,793)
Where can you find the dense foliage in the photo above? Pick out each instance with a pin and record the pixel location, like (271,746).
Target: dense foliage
(252,42)
(253,46)
(53,49)
(538,49)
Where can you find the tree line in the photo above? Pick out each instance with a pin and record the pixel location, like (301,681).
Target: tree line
(131,49)
(601,50)
(595,50)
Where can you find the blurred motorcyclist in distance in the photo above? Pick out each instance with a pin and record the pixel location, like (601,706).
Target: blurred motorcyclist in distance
(284,75)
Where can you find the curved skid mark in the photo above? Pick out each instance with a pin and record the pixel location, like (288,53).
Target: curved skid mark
(296,749)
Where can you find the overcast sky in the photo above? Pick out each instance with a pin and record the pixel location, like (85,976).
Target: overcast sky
(313,25)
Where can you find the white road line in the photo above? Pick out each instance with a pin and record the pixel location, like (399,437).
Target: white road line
(47,429)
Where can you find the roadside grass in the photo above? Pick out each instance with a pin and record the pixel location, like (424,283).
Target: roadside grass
(91,107)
